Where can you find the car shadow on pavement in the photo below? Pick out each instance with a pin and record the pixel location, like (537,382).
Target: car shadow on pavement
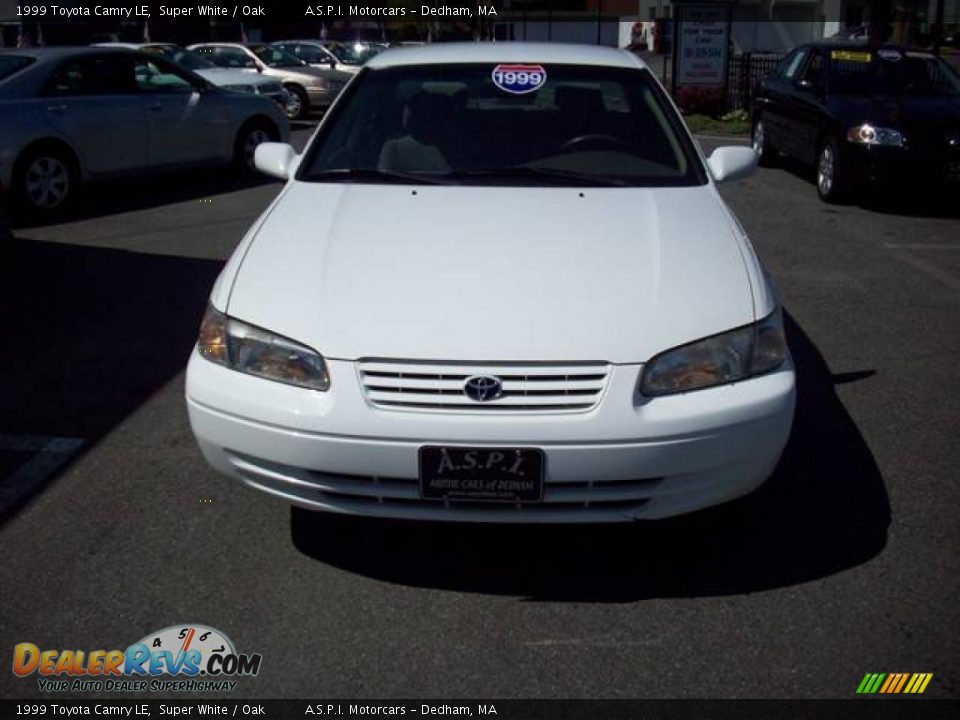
(90,334)
(914,200)
(110,197)
(824,510)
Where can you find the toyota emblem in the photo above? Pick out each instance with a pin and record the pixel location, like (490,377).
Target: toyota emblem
(483,388)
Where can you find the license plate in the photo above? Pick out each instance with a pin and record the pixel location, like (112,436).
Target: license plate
(483,474)
(952,170)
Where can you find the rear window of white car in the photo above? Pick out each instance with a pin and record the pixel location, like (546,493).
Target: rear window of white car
(521,124)
(11,64)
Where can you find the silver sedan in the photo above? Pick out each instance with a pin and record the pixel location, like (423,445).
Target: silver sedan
(68,115)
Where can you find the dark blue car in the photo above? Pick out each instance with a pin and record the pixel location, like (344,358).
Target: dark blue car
(862,115)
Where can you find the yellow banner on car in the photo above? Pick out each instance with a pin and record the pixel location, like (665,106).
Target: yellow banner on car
(853,55)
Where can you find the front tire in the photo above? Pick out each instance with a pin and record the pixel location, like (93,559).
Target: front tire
(760,139)
(252,134)
(832,179)
(298,104)
(45,181)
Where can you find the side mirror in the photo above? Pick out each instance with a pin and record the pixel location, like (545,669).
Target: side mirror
(730,163)
(278,160)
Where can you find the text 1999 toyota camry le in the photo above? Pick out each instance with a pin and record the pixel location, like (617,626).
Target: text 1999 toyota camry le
(499,285)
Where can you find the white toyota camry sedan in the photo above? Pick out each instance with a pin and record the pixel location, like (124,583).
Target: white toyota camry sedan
(499,285)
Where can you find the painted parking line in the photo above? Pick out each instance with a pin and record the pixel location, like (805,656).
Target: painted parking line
(921,246)
(49,455)
(931,269)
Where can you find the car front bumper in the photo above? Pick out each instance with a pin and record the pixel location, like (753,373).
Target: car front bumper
(323,97)
(626,459)
(7,157)
(280,98)
(887,165)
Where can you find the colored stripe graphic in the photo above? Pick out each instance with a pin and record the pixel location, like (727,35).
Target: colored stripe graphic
(894,683)
(903,679)
(892,679)
(918,683)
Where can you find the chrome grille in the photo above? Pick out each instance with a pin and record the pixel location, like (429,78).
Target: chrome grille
(527,387)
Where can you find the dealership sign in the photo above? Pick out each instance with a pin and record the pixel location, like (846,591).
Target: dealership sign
(702,39)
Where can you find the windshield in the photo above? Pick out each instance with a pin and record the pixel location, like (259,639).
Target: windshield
(354,53)
(457,123)
(183,58)
(10,64)
(891,72)
(275,57)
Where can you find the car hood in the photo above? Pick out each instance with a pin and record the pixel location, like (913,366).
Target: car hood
(899,111)
(506,274)
(330,73)
(301,72)
(226,76)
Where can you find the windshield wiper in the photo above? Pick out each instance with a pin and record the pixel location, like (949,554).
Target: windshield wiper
(361,174)
(567,177)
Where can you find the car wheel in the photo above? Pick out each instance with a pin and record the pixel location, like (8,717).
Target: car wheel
(760,139)
(298,104)
(252,134)
(45,181)
(831,181)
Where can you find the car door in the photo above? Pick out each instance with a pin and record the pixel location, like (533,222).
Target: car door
(186,123)
(806,105)
(235,59)
(92,101)
(776,101)
(314,55)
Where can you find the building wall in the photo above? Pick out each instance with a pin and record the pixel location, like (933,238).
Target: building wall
(591,32)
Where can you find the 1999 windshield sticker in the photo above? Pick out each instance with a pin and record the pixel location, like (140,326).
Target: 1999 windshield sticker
(519,79)
(180,658)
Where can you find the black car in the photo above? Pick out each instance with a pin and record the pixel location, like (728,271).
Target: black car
(861,115)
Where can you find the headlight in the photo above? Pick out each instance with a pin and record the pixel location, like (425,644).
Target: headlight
(254,351)
(728,357)
(867,134)
(240,88)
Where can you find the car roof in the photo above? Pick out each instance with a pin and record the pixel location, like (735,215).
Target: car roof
(242,46)
(864,47)
(478,52)
(55,53)
(127,45)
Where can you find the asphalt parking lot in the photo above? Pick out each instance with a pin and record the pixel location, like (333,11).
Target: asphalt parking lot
(844,563)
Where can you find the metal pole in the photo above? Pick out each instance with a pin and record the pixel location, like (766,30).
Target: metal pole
(938,28)
(599,15)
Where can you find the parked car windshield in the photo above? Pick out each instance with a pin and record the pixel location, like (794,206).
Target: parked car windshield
(353,53)
(10,64)
(891,73)
(183,58)
(456,123)
(275,57)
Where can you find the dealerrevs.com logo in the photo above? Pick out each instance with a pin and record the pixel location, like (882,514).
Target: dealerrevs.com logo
(184,658)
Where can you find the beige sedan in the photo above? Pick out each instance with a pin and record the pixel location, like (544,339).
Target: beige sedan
(310,88)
